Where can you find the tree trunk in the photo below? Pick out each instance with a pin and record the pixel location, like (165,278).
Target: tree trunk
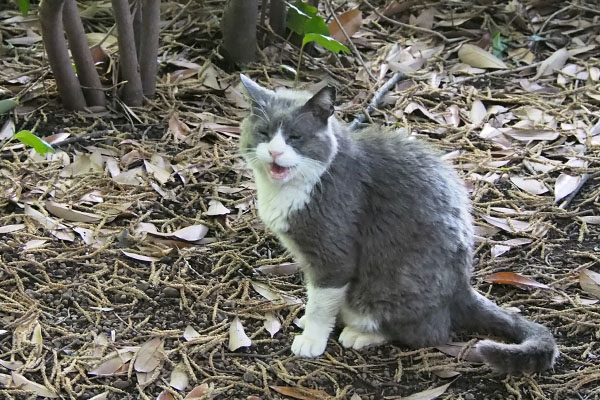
(129,67)
(80,50)
(277,16)
(239,30)
(137,27)
(149,45)
(58,55)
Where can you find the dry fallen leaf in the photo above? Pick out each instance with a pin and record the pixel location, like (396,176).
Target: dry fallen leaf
(149,355)
(591,219)
(477,57)
(429,394)
(478,112)
(23,383)
(508,225)
(565,185)
(237,336)
(64,212)
(5,380)
(12,365)
(556,61)
(511,278)
(272,324)
(179,377)
(109,367)
(351,21)
(190,333)
(215,207)
(199,391)
(139,257)
(455,348)
(101,396)
(288,268)
(298,392)
(11,228)
(590,282)
(532,186)
(165,395)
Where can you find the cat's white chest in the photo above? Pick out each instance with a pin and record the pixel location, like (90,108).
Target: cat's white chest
(276,202)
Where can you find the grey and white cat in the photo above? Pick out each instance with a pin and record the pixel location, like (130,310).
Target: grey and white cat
(382,230)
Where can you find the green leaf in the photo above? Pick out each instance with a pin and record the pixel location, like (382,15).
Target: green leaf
(326,41)
(6,105)
(306,8)
(498,45)
(29,139)
(296,19)
(24,7)
(316,25)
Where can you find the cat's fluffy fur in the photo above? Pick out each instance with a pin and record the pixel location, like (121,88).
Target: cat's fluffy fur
(382,229)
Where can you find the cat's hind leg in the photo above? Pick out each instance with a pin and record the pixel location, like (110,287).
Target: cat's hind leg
(359,331)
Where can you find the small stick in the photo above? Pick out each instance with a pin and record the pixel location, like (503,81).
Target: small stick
(397,77)
(352,45)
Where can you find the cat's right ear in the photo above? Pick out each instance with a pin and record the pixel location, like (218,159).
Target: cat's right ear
(257,94)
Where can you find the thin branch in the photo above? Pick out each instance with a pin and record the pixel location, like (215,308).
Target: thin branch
(80,50)
(499,72)
(58,55)
(407,26)
(350,42)
(377,97)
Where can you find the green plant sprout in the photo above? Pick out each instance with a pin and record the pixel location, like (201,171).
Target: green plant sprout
(303,19)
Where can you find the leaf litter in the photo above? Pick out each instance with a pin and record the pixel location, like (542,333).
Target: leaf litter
(513,124)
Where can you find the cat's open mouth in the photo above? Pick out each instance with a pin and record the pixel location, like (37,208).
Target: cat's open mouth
(278,172)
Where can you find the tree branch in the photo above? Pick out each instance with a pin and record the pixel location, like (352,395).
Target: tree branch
(58,55)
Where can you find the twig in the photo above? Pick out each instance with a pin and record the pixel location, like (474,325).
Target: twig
(574,193)
(497,73)
(550,18)
(89,135)
(397,77)
(414,28)
(350,42)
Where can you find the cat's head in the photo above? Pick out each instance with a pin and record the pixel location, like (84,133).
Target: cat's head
(288,134)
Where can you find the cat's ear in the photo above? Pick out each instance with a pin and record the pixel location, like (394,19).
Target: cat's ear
(321,104)
(256,93)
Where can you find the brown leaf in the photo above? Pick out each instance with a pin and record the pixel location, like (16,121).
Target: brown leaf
(108,367)
(429,394)
(149,355)
(351,21)
(165,395)
(511,278)
(298,392)
(590,282)
(198,392)
(455,348)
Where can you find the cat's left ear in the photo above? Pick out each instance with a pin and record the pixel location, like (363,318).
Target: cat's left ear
(321,104)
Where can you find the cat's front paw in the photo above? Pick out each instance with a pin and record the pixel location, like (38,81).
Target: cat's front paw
(302,322)
(306,346)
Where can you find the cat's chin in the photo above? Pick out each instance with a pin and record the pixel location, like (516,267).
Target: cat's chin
(279,173)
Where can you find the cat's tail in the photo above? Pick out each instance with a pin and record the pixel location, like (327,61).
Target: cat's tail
(533,348)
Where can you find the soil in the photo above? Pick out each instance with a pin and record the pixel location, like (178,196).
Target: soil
(91,299)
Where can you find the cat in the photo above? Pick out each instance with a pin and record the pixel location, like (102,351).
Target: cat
(382,230)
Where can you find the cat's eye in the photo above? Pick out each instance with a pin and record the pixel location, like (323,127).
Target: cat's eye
(294,137)
(263,133)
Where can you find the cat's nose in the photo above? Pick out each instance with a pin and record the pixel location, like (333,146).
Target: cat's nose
(275,154)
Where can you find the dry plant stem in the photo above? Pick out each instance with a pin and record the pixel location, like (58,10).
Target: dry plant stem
(58,55)
(407,26)
(80,50)
(499,72)
(277,14)
(239,30)
(149,45)
(350,42)
(132,90)
(137,26)
(397,77)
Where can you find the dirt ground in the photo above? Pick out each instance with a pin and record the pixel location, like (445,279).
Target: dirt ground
(93,262)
